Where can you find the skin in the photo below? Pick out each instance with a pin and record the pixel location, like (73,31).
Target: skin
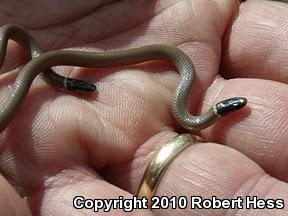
(44,62)
(284,1)
(120,144)
(24,39)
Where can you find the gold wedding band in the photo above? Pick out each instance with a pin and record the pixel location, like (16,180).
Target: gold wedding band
(160,161)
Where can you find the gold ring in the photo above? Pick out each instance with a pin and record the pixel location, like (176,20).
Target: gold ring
(160,161)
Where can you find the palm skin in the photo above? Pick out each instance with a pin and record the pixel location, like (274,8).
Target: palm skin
(61,145)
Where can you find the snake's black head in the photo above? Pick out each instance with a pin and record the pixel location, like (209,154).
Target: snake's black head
(230,105)
(79,85)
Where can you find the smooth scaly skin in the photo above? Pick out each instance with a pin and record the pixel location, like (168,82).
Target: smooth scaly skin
(22,37)
(126,57)
(117,58)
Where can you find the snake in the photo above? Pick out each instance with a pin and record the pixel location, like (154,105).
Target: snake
(43,62)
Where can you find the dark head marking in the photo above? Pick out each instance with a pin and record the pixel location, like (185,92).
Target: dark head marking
(79,85)
(230,105)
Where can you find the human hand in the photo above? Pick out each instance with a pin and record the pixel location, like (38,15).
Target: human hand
(62,145)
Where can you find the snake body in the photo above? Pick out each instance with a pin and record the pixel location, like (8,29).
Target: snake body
(22,37)
(44,61)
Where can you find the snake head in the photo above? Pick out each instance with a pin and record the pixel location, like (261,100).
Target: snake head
(230,105)
(79,85)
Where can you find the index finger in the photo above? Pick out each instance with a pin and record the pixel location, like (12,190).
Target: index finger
(256,43)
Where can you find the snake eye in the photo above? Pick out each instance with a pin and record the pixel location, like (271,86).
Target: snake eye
(230,105)
(79,85)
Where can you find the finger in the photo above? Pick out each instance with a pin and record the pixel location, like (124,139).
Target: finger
(206,170)
(100,131)
(256,44)
(258,131)
(10,202)
(57,14)
(72,26)
(67,193)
